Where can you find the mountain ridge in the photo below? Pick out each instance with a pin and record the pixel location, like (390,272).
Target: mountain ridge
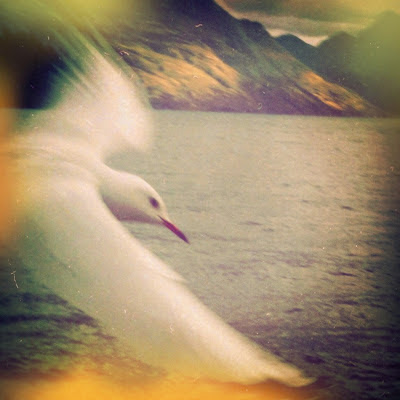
(193,55)
(220,63)
(368,64)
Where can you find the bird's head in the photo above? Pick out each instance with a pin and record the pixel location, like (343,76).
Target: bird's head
(132,199)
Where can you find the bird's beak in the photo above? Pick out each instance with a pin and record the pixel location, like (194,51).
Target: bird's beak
(174,229)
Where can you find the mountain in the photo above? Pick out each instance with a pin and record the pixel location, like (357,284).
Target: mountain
(301,50)
(376,62)
(193,55)
(196,56)
(368,64)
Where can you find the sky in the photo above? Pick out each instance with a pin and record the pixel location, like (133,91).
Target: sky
(311,20)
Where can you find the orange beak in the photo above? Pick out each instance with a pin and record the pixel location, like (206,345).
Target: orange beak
(174,229)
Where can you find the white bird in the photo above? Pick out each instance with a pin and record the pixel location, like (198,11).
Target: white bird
(70,233)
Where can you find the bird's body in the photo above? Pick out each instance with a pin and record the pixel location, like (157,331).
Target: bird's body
(70,205)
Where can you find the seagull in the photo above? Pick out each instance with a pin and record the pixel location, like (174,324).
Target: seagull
(70,234)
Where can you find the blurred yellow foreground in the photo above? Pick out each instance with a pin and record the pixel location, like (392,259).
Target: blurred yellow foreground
(86,386)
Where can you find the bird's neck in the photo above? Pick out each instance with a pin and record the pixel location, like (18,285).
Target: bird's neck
(121,193)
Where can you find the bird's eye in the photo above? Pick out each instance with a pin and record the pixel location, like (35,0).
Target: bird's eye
(154,202)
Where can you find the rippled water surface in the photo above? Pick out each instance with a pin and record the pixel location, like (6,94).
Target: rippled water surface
(294,225)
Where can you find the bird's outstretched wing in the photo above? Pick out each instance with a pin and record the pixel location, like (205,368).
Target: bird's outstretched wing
(96,265)
(95,98)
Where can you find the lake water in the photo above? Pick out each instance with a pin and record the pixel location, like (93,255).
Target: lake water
(294,224)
